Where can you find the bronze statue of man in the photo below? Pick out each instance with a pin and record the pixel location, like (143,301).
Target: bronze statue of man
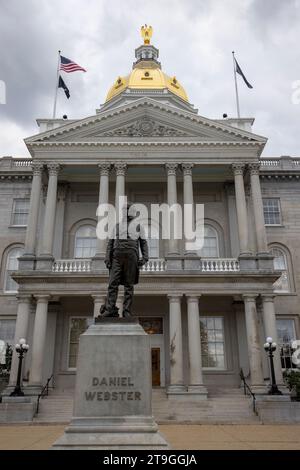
(123,261)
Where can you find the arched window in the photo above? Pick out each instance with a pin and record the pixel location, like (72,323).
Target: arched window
(12,264)
(211,243)
(280,263)
(85,242)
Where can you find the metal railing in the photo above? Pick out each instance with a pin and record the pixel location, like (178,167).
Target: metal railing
(44,393)
(248,391)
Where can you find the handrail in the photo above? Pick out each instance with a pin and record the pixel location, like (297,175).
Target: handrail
(44,392)
(248,390)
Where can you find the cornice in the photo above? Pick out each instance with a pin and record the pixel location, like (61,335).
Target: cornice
(148,144)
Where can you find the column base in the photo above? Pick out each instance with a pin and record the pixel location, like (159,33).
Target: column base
(247,262)
(174,263)
(265,261)
(177,391)
(32,390)
(191,263)
(98,263)
(44,262)
(197,392)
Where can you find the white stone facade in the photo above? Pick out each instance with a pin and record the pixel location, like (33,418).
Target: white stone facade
(153,151)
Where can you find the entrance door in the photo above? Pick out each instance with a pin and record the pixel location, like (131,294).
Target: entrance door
(155,357)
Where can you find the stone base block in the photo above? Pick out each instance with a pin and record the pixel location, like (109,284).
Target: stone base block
(112,434)
(197,392)
(16,410)
(191,263)
(174,263)
(112,406)
(278,411)
(44,263)
(247,262)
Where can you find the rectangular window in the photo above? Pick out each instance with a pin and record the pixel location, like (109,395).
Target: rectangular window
(212,342)
(85,247)
(78,325)
(7,331)
(286,334)
(20,212)
(272,211)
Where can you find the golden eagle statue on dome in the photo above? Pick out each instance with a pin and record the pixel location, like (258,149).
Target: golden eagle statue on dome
(146,32)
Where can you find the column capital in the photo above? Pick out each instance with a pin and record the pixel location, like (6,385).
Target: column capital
(120,168)
(42,298)
(176,297)
(62,190)
(238,168)
(104,169)
(171,168)
(254,168)
(23,298)
(250,297)
(53,169)
(187,168)
(268,297)
(193,298)
(98,297)
(37,168)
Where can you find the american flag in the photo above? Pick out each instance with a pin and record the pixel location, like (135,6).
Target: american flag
(68,65)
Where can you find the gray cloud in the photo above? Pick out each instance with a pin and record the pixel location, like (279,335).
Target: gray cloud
(195,38)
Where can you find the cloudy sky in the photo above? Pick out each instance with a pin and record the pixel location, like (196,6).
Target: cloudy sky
(195,39)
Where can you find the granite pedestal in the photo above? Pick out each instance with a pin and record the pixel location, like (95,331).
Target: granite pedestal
(112,405)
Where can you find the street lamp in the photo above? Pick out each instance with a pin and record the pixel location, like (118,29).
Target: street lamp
(21,348)
(270,347)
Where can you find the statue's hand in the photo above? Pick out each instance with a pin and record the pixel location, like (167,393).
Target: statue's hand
(142,261)
(107,264)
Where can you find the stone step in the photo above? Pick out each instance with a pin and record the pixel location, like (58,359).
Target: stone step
(225,408)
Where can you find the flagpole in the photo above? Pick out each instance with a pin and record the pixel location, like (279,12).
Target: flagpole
(56,86)
(236,88)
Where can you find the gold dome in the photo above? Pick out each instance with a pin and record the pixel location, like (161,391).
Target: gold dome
(146,73)
(147,79)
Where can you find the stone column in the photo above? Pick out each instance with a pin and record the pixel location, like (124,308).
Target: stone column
(49,218)
(241,207)
(269,319)
(194,339)
(188,200)
(39,339)
(253,340)
(35,197)
(21,331)
(176,357)
(260,229)
(98,301)
(120,169)
(103,199)
(171,168)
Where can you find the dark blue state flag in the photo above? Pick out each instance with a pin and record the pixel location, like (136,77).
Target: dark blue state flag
(61,84)
(240,72)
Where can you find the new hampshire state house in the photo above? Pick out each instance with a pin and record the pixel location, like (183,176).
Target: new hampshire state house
(208,314)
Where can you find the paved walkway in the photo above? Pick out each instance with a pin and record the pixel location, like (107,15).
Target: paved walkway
(200,437)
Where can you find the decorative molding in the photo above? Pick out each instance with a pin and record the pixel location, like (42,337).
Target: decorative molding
(104,169)
(145,127)
(37,168)
(238,168)
(53,169)
(194,143)
(187,168)
(254,168)
(171,168)
(120,168)
(16,177)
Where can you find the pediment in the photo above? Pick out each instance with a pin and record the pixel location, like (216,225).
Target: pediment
(145,119)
